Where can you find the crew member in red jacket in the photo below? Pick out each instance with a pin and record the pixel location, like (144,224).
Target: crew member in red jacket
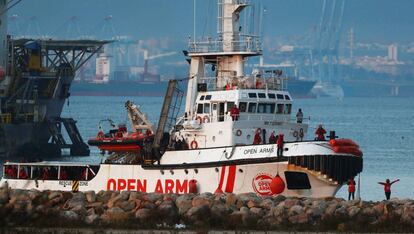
(234,113)
(351,189)
(320,133)
(257,138)
(387,187)
(280,142)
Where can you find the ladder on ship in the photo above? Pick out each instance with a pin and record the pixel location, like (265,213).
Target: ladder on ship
(77,147)
(169,112)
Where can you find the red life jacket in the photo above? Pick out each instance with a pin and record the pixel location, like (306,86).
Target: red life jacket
(280,141)
(387,187)
(351,186)
(257,139)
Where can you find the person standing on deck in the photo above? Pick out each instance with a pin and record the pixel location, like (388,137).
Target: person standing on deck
(280,142)
(272,138)
(257,138)
(234,113)
(320,133)
(299,116)
(387,187)
(351,189)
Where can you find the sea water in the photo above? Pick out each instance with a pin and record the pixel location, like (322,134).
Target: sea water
(383,127)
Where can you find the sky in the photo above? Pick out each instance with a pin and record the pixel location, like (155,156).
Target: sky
(383,21)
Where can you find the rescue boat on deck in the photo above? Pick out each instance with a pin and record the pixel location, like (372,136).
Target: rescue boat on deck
(214,147)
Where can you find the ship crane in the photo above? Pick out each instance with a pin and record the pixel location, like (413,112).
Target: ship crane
(137,118)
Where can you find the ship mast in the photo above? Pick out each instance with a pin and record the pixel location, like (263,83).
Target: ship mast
(226,54)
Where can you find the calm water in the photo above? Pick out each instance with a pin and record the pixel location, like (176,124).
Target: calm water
(383,127)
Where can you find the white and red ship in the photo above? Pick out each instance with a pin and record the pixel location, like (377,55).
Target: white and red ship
(210,148)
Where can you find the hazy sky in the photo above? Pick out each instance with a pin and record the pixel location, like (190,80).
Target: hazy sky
(373,20)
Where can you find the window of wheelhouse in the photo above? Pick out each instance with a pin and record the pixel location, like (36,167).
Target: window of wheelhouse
(267,108)
(252,107)
(288,108)
(262,95)
(206,108)
(242,106)
(280,96)
(252,95)
(202,97)
(280,108)
(271,95)
(287,97)
(200,109)
(229,106)
(208,97)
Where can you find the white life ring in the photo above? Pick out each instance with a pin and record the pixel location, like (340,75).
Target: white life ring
(238,132)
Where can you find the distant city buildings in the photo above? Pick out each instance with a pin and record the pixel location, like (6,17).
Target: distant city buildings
(393,53)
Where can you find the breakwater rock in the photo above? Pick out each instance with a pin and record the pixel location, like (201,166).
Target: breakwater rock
(194,211)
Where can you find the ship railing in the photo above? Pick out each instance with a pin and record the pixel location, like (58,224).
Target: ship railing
(49,171)
(244,82)
(246,44)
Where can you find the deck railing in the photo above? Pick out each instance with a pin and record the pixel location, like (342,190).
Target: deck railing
(245,82)
(246,44)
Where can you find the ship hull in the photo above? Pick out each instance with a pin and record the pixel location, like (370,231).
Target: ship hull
(251,178)
(239,169)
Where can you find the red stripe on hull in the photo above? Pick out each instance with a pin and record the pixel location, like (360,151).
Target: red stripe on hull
(230,179)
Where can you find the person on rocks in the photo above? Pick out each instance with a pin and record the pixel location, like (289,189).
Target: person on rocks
(299,116)
(234,113)
(351,189)
(272,138)
(320,133)
(280,142)
(387,187)
(257,138)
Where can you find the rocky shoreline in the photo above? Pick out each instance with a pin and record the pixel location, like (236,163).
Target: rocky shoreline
(19,208)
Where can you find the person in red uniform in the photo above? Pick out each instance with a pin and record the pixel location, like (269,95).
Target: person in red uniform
(272,138)
(280,142)
(257,138)
(23,174)
(351,189)
(320,133)
(387,187)
(234,113)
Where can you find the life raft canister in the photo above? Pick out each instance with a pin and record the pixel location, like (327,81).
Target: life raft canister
(277,185)
(192,186)
(194,144)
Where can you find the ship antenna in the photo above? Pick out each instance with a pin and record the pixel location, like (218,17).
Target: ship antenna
(194,20)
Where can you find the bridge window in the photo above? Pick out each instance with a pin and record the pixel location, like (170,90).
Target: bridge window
(266,108)
(280,96)
(242,106)
(262,95)
(252,95)
(288,108)
(200,109)
(230,105)
(287,97)
(271,95)
(202,97)
(208,97)
(252,107)
(280,108)
(206,108)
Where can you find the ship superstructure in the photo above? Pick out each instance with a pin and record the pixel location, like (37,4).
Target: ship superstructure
(35,80)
